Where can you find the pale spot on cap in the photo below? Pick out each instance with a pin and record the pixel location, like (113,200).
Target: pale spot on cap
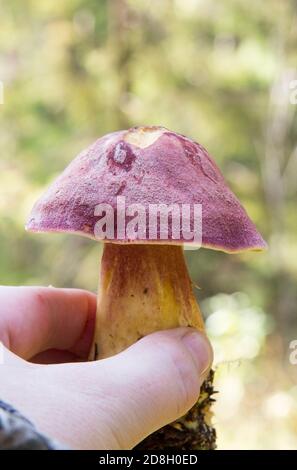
(144,136)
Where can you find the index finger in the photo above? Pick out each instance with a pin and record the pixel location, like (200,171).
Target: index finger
(35,319)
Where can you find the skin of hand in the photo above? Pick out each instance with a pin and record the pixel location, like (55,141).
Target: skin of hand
(114,403)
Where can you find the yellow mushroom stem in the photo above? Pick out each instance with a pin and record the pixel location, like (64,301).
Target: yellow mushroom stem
(142,289)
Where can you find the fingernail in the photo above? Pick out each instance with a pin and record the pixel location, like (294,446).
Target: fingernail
(200,349)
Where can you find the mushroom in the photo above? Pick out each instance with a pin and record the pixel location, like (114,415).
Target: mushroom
(107,193)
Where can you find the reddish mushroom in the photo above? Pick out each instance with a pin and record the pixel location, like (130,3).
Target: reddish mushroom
(144,284)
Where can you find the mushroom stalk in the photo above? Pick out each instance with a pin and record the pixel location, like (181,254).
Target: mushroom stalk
(142,289)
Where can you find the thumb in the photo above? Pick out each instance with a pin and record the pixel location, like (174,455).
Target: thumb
(155,381)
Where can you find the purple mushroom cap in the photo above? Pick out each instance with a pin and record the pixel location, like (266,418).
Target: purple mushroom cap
(147,166)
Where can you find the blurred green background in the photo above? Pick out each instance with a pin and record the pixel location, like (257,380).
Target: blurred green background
(219,72)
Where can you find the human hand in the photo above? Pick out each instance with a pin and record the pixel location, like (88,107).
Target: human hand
(113,403)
